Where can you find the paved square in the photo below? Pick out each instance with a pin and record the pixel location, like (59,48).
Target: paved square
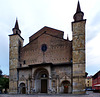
(89,94)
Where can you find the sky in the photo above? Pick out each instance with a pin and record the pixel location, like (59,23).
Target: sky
(32,15)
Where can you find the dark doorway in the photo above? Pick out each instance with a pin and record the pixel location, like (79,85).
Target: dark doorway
(65,85)
(22,88)
(43,85)
(65,89)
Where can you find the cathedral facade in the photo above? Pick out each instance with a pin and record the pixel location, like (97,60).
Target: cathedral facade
(48,63)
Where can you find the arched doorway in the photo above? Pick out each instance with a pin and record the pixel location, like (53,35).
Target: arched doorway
(65,86)
(22,88)
(41,80)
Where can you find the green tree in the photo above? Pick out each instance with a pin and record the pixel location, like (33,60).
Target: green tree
(0,73)
(4,84)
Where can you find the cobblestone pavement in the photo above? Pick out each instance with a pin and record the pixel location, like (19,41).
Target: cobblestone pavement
(89,94)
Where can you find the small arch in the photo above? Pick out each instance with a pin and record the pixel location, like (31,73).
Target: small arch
(39,72)
(65,85)
(22,88)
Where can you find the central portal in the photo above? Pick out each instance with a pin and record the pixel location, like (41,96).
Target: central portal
(43,85)
(41,80)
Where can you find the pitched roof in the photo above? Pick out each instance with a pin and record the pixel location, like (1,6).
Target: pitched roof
(48,30)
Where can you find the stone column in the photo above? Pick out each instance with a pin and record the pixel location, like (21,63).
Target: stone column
(26,86)
(32,85)
(33,80)
(50,81)
(57,84)
(50,87)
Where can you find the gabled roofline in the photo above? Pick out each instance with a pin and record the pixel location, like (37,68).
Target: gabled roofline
(43,30)
(95,74)
(46,27)
(49,35)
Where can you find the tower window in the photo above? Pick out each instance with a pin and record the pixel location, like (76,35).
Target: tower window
(16,32)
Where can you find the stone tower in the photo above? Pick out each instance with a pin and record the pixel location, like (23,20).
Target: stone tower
(16,42)
(78,47)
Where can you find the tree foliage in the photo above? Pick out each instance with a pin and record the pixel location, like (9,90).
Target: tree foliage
(4,83)
(0,73)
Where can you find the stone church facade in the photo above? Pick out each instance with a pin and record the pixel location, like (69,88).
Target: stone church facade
(48,63)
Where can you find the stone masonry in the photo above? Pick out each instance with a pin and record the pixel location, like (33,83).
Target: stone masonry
(78,28)
(48,63)
(16,42)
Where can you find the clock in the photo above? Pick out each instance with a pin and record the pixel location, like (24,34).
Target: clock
(44,47)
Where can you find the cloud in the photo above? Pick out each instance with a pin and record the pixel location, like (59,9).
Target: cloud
(34,14)
(93,54)
(92,31)
(93,40)
(4,48)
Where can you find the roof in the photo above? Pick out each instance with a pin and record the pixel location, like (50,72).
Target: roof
(97,85)
(48,30)
(89,76)
(78,8)
(95,75)
(16,25)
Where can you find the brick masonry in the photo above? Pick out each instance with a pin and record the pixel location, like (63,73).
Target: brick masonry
(61,62)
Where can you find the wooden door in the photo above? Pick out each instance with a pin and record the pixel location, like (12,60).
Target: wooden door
(23,90)
(43,85)
(65,89)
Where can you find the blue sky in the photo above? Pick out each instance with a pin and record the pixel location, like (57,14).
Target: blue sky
(34,14)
